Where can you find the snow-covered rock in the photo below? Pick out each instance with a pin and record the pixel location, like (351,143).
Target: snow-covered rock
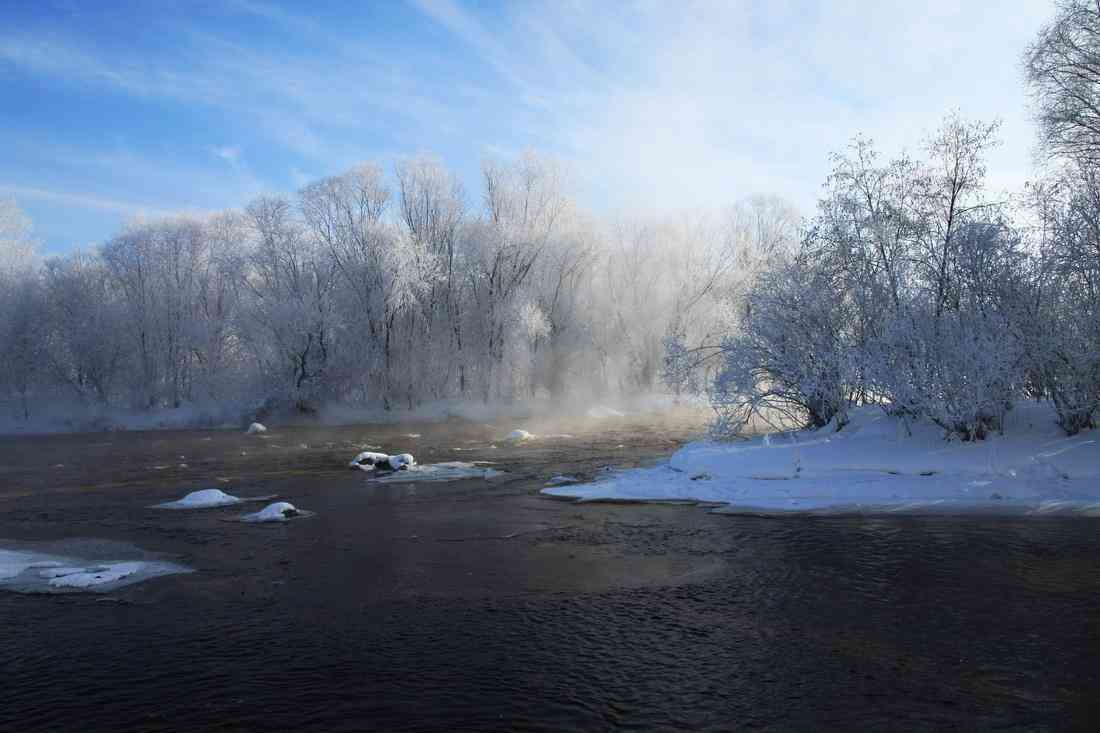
(369,461)
(402,461)
(280,511)
(255,428)
(876,462)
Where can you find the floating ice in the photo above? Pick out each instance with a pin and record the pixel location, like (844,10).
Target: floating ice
(208,498)
(255,428)
(34,571)
(449,471)
(280,511)
(88,576)
(561,480)
(519,436)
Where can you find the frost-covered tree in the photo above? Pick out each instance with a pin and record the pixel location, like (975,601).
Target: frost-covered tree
(902,295)
(22,328)
(288,309)
(1058,316)
(377,288)
(1062,68)
(792,360)
(86,348)
(714,266)
(524,208)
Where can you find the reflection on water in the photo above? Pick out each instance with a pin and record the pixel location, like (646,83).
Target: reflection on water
(483,606)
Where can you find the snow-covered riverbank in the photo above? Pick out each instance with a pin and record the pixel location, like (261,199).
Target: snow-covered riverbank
(877,463)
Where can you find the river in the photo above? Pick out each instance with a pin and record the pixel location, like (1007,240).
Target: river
(483,605)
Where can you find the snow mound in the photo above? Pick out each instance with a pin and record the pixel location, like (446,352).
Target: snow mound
(255,428)
(29,571)
(519,436)
(876,463)
(206,499)
(280,511)
(450,471)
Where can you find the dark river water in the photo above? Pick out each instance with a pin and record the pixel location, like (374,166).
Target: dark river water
(479,605)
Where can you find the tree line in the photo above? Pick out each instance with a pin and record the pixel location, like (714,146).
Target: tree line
(915,288)
(375,289)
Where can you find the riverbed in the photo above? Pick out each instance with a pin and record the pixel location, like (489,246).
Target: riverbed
(483,605)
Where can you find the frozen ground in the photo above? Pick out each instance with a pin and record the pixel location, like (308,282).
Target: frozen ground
(877,463)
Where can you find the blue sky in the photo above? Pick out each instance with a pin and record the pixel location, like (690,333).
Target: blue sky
(115,110)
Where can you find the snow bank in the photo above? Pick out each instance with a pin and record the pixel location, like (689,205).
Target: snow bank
(29,571)
(208,498)
(877,463)
(450,471)
(280,511)
(255,428)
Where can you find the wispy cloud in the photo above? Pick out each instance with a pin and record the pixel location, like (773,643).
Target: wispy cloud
(669,105)
(83,200)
